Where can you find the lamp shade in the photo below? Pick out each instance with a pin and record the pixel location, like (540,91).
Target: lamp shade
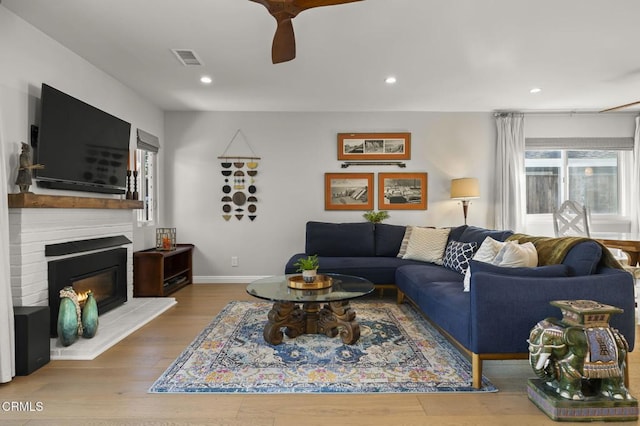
(465,188)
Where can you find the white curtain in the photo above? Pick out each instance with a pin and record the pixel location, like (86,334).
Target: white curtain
(635,181)
(510,206)
(7,356)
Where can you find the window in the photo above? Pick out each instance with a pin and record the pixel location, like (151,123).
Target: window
(147,190)
(146,163)
(592,171)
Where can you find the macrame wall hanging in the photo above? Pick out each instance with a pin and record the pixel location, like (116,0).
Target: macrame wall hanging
(239,189)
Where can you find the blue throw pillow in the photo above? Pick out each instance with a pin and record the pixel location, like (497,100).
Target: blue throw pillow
(547,271)
(457,255)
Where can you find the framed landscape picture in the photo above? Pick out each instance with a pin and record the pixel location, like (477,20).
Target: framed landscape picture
(374,146)
(348,191)
(402,191)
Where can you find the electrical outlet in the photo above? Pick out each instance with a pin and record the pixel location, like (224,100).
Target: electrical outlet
(234,260)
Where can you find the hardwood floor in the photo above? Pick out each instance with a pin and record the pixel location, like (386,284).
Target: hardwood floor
(112,389)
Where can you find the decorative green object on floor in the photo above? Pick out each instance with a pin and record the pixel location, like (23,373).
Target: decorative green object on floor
(90,316)
(580,362)
(68,317)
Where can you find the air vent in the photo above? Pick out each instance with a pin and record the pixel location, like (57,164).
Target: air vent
(187,57)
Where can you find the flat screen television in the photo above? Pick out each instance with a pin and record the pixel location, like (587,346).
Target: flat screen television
(81,147)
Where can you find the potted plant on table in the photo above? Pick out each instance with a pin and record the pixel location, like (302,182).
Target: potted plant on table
(309,267)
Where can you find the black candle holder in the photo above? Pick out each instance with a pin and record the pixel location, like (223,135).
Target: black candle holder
(129,194)
(135,185)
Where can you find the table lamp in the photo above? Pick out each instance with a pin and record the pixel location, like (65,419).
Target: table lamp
(465,189)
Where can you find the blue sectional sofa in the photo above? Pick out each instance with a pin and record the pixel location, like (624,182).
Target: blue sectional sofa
(493,319)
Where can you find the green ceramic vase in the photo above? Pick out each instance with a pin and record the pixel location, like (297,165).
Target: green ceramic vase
(67,322)
(89,317)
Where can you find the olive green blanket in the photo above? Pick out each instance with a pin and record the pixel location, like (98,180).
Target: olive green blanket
(551,251)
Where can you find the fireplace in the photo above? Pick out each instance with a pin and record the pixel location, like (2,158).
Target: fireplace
(103,272)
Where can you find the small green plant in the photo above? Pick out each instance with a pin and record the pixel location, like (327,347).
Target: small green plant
(308,263)
(376,217)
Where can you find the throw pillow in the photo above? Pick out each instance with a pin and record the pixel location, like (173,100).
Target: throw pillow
(513,255)
(405,240)
(427,244)
(510,255)
(548,271)
(488,251)
(457,255)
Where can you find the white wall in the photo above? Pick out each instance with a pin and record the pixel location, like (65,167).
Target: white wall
(296,150)
(30,58)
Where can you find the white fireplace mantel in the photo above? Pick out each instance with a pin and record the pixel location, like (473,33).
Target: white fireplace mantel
(38,220)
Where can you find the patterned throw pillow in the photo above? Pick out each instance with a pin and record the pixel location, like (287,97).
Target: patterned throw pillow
(405,239)
(427,244)
(457,255)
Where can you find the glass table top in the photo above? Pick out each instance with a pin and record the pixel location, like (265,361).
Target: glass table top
(276,289)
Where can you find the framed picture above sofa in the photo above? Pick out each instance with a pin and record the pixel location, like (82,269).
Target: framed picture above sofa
(348,191)
(374,146)
(402,191)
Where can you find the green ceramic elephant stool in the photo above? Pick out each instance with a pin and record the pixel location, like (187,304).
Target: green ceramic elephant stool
(580,354)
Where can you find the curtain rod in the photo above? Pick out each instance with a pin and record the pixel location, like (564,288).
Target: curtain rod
(575,113)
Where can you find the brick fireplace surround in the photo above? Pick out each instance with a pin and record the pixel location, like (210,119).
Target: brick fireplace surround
(38,220)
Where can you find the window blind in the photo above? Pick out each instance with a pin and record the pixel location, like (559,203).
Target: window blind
(595,143)
(147,141)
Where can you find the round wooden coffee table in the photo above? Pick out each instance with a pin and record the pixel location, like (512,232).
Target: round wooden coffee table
(301,311)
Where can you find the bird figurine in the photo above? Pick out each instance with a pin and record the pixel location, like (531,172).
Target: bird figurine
(25,166)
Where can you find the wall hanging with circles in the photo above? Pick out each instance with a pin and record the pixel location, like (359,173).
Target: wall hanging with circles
(239,188)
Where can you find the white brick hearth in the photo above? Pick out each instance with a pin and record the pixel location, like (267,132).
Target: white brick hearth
(31,229)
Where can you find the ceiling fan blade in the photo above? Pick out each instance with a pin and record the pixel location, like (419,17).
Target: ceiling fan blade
(308,4)
(621,106)
(284,42)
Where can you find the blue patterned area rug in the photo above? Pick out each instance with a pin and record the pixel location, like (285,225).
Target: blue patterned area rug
(398,351)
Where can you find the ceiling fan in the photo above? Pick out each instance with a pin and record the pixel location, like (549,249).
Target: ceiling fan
(615,108)
(284,42)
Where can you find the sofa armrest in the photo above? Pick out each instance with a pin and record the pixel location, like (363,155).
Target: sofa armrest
(505,308)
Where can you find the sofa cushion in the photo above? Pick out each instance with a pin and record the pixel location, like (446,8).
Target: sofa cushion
(448,307)
(456,232)
(477,235)
(427,244)
(457,255)
(410,278)
(340,239)
(378,270)
(583,258)
(537,271)
(388,239)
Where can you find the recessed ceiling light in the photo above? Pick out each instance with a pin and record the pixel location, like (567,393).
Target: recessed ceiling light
(535,90)
(390,80)
(205,79)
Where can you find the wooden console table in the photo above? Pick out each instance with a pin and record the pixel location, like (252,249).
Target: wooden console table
(159,273)
(628,243)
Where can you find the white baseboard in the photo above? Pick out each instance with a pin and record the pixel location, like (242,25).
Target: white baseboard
(221,279)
